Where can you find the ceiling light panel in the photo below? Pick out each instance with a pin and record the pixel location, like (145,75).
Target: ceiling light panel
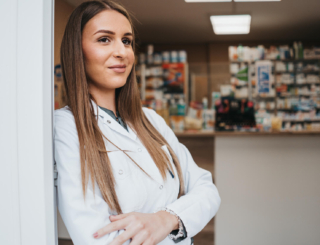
(257,0)
(231,24)
(206,1)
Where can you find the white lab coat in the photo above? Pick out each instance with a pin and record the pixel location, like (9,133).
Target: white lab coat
(135,191)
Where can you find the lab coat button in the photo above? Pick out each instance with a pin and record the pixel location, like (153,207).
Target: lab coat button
(120,171)
(139,149)
(161,186)
(109,121)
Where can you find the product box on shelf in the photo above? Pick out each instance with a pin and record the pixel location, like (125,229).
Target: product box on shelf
(59,95)
(59,89)
(234,114)
(174,77)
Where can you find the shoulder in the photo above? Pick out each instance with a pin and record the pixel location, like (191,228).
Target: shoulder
(63,112)
(63,115)
(155,119)
(64,121)
(150,113)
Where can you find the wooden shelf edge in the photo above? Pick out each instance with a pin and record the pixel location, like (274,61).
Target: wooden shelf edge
(212,134)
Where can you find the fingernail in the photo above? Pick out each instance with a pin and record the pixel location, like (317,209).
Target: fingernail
(95,235)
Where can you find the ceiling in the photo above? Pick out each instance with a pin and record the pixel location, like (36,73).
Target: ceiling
(175,21)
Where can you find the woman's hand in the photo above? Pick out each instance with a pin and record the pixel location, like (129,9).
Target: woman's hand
(145,229)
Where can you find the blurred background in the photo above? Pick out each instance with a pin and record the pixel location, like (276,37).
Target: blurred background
(239,83)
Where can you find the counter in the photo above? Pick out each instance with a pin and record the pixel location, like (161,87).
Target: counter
(268,182)
(269,186)
(211,134)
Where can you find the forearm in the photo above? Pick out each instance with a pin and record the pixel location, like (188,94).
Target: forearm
(197,207)
(169,220)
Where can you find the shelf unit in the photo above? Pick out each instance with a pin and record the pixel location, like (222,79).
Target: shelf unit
(298,68)
(142,76)
(213,134)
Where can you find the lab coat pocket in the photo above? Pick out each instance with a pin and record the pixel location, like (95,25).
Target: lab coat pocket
(130,197)
(172,183)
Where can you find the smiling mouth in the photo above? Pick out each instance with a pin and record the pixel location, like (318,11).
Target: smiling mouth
(118,68)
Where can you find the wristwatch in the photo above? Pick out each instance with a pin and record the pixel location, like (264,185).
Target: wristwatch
(178,234)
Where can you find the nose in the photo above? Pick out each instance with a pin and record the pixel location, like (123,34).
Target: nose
(119,50)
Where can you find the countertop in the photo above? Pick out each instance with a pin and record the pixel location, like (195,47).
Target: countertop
(213,133)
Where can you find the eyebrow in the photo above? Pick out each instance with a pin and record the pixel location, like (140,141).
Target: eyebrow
(112,33)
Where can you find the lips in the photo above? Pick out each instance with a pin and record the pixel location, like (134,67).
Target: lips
(118,68)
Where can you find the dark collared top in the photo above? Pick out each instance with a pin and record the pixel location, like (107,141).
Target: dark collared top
(117,118)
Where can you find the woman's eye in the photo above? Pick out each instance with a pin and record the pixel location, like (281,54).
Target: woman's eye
(103,40)
(127,41)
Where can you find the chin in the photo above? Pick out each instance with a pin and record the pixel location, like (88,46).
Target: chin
(118,83)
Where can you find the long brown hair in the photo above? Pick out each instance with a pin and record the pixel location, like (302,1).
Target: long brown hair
(93,155)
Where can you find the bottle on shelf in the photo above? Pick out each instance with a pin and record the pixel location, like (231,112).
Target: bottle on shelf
(165,111)
(296,50)
(150,54)
(177,114)
(181,107)
(300,48)
(208,116)
(240,52)
(173,110)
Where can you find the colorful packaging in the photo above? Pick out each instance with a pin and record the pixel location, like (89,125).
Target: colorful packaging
(173,56)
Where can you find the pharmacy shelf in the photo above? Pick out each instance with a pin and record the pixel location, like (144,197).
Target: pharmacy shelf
(295,110)
(300,121)
(292,60)
(262,98)
(283,95)
(141,70)
(296,95)
(309,72)
(233,133)
(299,84)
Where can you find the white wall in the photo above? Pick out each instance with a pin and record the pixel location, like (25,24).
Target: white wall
(26,104)
(9,185)
(269,187)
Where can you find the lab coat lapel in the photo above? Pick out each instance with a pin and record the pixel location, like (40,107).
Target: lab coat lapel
(113,124)
(151,169)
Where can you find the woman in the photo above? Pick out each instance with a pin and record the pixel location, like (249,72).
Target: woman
(115,157)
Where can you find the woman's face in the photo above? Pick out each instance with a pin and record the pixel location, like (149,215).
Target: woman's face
(108,54)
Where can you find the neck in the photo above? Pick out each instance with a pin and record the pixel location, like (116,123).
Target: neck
(105,98)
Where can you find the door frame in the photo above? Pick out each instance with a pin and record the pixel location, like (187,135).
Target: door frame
(26,65)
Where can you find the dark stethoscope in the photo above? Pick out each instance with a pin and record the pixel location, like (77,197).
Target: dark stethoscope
(171,173)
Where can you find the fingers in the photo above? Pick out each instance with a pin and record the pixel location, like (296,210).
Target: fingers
(119,216)
(131,231)
(140,238)
(148,242)
(134,225)
(113,226)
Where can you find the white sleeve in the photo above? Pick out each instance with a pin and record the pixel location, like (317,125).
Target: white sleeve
(202,200)
(81,218)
